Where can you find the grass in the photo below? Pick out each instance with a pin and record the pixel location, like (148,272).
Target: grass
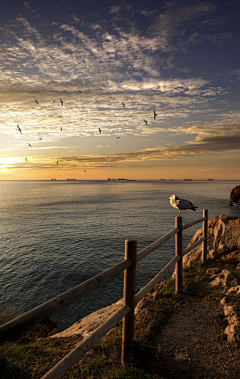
(32,356)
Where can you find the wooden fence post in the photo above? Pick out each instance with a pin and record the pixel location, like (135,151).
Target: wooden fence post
(205,234)
(129,300)
(178,251)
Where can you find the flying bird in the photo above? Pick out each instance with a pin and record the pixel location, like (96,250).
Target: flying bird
(154,114)
(100,130)
(61,102)
(123,105)
(30,145)
(19,129)
(181,204)
(145,121)
(36,101)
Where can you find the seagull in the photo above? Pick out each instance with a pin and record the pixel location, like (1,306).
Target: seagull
(61,129)
(145,121)
(54,101)
(57,162)
(26,159)
(84,170)
(40,138)
(123,105)
(19,129)
(181,204)
(100,130)
(36,101)
(117,137)
(30,145)
(61,102)
(80,91)
(154,114)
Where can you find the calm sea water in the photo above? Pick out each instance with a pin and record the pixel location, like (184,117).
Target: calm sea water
(55,235)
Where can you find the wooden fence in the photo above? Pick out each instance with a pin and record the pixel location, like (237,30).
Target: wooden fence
(130,300)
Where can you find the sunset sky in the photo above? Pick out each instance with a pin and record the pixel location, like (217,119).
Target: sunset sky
(179,58)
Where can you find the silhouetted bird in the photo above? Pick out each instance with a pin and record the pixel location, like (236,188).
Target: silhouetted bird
(181,204)
(80,91)
(30,145)
(117,137)
(57,162)
(84,170)
(36,101)
(154,114)
(123,105)
(100,131)
(40,139)
(53,101)
(19,129)
(26,159)
(61,129)
(145,121)
(61,102)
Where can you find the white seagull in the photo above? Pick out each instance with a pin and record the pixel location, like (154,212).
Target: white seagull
(181,204)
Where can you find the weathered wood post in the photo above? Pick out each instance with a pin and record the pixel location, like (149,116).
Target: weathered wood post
(129,300)
(178,251)
(205,234)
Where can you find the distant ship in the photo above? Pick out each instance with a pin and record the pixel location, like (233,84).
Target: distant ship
(53,179)
(188,180)
(210,179)
(71,179)
(111,179)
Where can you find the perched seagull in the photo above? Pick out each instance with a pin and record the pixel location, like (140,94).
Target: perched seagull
(154,114)
(145,121)
(19,129)
(123,105)
(181,204)
(57,162)
(36,101)
(29,145)
(100,130)
(61,129)
(61,102)
(53,101)
(40,139)
(26,159)
(80,91)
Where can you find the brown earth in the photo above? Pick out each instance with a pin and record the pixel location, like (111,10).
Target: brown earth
(193,344)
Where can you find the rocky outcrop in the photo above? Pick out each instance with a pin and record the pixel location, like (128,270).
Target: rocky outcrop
(235,196)
(223,234)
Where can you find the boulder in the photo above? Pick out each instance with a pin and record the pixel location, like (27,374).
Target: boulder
(223,234)
(235,196)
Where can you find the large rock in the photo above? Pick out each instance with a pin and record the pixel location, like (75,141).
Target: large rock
(223,233)
(235,196)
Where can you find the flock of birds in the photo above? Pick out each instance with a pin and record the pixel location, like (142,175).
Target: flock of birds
(99,129)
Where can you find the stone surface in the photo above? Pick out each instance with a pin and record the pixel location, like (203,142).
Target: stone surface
(235,195)
(223,234)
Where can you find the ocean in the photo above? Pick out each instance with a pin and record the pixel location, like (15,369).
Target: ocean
(57,234)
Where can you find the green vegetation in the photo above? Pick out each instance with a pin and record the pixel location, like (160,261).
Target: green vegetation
(31,355)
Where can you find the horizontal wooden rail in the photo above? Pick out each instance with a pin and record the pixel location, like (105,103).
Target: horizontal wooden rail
(39,313)
(193,246)
(78,352)
(193,223)
(147,250)
(156,280)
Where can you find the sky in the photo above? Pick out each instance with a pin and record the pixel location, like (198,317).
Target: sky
(81,81)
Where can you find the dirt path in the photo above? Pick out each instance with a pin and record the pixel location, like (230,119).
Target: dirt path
(192,344)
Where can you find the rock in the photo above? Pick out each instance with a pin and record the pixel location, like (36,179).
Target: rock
(234,291)
(225,279)
(91,322)
(235,196)
(223,236)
